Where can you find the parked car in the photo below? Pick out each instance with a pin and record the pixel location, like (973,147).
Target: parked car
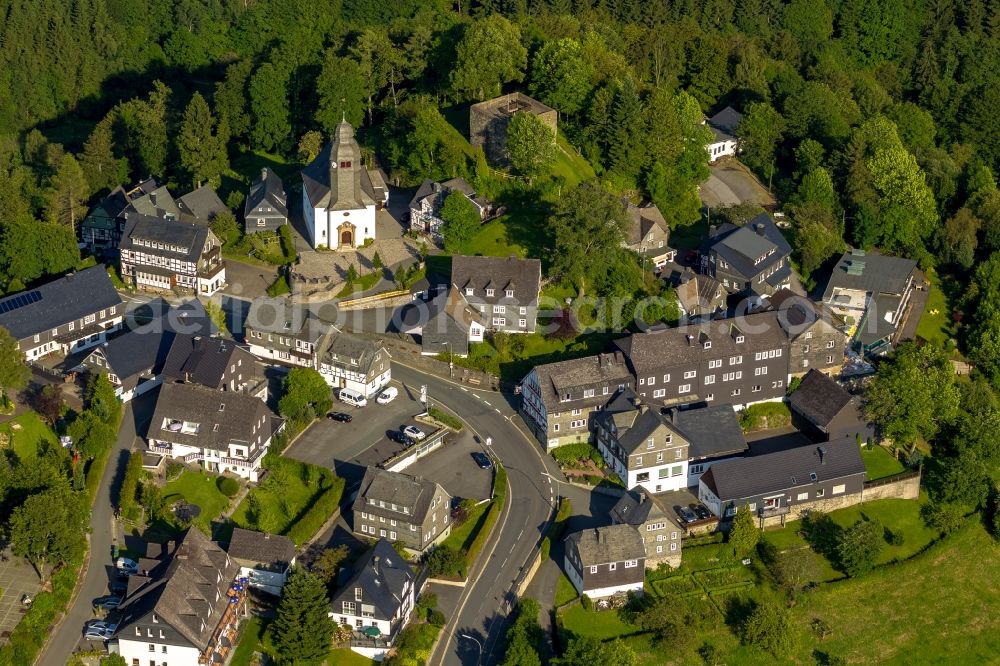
(687,515)
(401,437)
(108,602)
(99,634)
(702,511)
(387,396)
(414,432)
(482,460)
(352,397)
(99,625)
(127,566)
(339,416)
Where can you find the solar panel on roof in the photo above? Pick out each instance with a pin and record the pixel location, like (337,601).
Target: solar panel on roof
(20,300)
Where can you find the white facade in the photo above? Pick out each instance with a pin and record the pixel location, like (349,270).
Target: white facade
(32,351)
(136,650)
(232,460)
(279,356)
(356,619)
(338,377)
(271,582)
(719,149)
(140,388)
(709,499)
(600,592)
(661,476)
(338,229)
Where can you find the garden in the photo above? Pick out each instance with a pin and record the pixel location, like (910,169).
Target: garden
(195,488)
(880,462)
(25,435)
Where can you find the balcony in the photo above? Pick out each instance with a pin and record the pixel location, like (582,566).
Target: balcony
(771,512)
(165,449)
(192,457)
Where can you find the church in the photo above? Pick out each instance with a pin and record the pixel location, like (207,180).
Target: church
(340,196)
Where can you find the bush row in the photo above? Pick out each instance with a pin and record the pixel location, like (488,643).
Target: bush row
(319,511)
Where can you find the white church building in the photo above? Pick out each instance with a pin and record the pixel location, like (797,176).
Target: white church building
(340,196)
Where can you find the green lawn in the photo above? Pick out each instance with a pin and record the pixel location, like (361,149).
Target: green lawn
(345,657)
(565,592)
(197,488)
(492,240)
(935,324)
(32,433)
(461,537)
(879,463)
(570,164)
(363,283)
(249,642)
(598,624)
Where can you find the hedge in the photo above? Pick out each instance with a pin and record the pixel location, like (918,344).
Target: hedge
(445,418)
(557,527)
(568,454)
(496,506)
(322,507)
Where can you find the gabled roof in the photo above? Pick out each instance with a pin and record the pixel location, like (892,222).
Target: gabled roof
(639,506)
(382,575)
(557,379)
(148,198)
(133,353)
(634,422)
(222,416)
(203,204)
(186,591)
(872,273)
(102,216)
(784,470)
(447,328)
(203,360)
(188,236)
(329,185)
(611,543)
(741,246)
(710,431)
(819,398)
(524,276)
(643,219)
(343,348)
(266,189)
(413,492)
(725,123)
(697,291)
(800,314)
(57,302)
(284,317)
(268,551)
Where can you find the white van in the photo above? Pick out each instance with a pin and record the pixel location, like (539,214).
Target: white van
(352,397)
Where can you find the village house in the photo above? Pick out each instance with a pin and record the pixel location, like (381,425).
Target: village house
(713,434)
(217,363)
(265,208)
(735,362)
(349,361)
(133,361)
(451,324)
(400,507)
(225,431)
(816,338)
(783,485)
(376,601)
(183,608)
(871,292)
(655,524)
(265,560)
(425,206)
(752,260)
(824,411)
(66,315)
(648,235)
(504,290)
(163,255)
(201,205)
(340,195)
(700,296)
(102,228)
(558,400)
(724,125)
(276,329)
(605,561)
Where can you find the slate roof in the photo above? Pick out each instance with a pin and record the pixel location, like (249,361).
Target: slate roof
(556,379)
(271,552)
(187,235)
(643,219)
(673,346)
(448,323)
(344,347)
(113,205)
(524,276)
(203,204)
(799,313)
(710,431)
(819,398)
(57,302)
(638,506)
(875,326)
(611,543)
(382,575)
(429,188)
(725,123)
(396,488)
(635,423)
(135,352)
(740,246)
(282,316)
(784,470)
(202,360)
(329,186)
(186,591)
(236,416)
(872,273)
(267,188)
(697,291)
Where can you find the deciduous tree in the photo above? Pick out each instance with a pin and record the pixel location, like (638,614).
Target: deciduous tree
(489,54)
(859,547)
(531,144)
(271,125)
(49,527)
(343,93)
(589,225)
(560,76)
(66,197)
(461,221)
(305,395)
(14,374)
(768,628)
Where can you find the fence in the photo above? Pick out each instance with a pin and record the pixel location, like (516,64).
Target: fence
(403,460)
(902,486)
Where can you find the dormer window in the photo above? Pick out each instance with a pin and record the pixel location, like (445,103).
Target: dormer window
(510,293)
(357,593)
(489,292)
(346,164)
(739,339)
(468,291)
(707,344)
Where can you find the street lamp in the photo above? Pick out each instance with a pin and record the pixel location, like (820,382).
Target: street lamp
(478,645)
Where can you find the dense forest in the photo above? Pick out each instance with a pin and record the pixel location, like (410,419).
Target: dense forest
(874,121)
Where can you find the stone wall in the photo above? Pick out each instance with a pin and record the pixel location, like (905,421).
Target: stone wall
(488,122)
(901,486)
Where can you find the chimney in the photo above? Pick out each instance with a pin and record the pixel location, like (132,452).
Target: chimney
(152,198)
(759,228)
(690,339)
(712,230)
(263,173)
(822,455)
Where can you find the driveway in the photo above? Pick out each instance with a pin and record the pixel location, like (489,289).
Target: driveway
(731,183)
(17,578)
(248,280)
(453,467)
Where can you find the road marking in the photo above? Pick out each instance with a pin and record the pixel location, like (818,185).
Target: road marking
(477,396)
(464,389)
(497,411)
(502,564)
(487,402)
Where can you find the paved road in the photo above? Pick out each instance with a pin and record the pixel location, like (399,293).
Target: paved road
(61,646)
(481,610)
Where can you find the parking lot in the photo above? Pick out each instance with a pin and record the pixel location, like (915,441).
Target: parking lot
(17,578)
(453,467)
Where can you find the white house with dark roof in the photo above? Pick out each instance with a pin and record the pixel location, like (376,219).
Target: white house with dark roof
(348,361)
(264,559)
(376,601)
(340,195)
(164,254)
(265,208)
(133,361)
(604,561)
(445,323)
(215,362)
(504,290)
(183,608)
(724,126)
(425,206)
(223,430)
(871,292)
(70,314)
(782,485)
(277,329)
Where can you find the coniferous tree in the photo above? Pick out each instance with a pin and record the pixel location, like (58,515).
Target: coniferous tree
(200,146)
(230,99)
(271,126)
(67,194)
(102,169)
(302,628)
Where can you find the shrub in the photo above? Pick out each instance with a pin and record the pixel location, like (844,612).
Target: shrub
(569,454)
(445,561)
(893,537)
(436,617)
(586,602)
(765,415)
(859,547)
(228,486)
(767,628)
(445,418)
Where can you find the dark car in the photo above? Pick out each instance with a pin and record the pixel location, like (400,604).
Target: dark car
(108,602)
(482,460)
(687,515)
(702,512)
(400,437)
(339,416)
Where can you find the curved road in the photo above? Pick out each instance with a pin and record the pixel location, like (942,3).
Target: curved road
(488,596)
